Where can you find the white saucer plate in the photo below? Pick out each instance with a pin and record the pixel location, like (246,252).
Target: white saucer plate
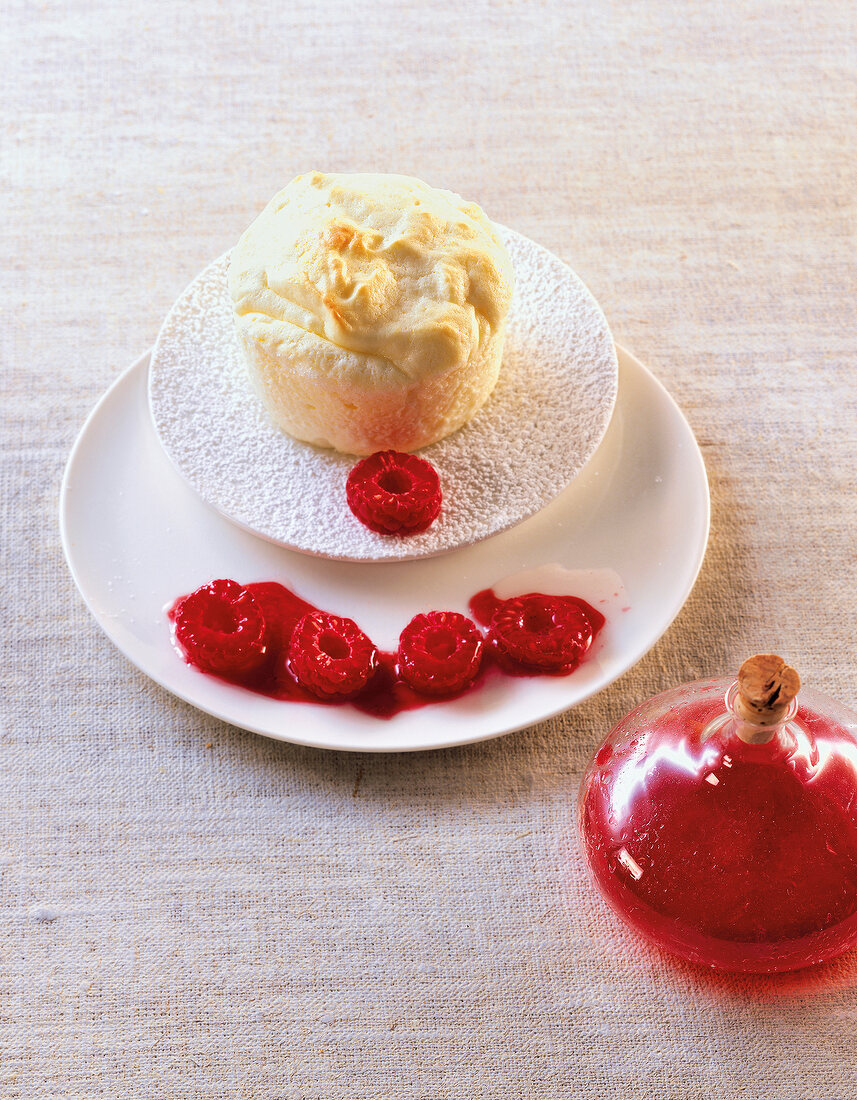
(136,536)
(535,433)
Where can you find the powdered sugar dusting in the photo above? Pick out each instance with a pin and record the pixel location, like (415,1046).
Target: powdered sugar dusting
(541,425)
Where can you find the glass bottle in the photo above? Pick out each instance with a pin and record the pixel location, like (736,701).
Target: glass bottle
(719,820)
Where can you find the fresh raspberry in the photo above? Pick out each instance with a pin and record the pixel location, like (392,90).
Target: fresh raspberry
(394,493)
(540,633)
(221,629)
(440,653)
(331,656)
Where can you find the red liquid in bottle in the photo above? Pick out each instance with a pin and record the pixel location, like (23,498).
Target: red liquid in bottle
(735,855)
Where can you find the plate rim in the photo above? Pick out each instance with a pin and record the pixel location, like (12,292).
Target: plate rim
(633,657)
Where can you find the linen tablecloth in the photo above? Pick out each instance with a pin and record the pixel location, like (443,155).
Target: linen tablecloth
(189,910)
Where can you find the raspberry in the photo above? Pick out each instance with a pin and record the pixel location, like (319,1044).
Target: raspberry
(440,653)
(540,633)
(394,493)
(221,629)
(331,656)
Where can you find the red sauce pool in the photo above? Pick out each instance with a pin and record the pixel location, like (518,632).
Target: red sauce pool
(386,694)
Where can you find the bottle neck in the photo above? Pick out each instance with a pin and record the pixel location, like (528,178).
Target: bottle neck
(753,732)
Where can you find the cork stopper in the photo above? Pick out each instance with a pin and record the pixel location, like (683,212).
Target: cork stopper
(766,688)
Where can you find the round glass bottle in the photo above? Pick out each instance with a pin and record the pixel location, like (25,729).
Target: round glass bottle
(719,819)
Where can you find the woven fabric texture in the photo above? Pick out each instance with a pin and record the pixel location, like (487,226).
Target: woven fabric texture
(188,910)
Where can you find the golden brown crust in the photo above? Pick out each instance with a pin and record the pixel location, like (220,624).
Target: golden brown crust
(373,295)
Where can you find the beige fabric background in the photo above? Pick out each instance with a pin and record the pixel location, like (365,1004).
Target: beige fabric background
(236,918)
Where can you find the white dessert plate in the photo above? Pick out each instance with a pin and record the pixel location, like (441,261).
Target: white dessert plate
(136,537)
(536,432)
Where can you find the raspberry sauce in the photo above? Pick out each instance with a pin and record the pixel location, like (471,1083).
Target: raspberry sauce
(387,693)
(734,855)
(532,635)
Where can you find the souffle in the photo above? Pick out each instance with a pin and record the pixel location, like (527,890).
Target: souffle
(371,310)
